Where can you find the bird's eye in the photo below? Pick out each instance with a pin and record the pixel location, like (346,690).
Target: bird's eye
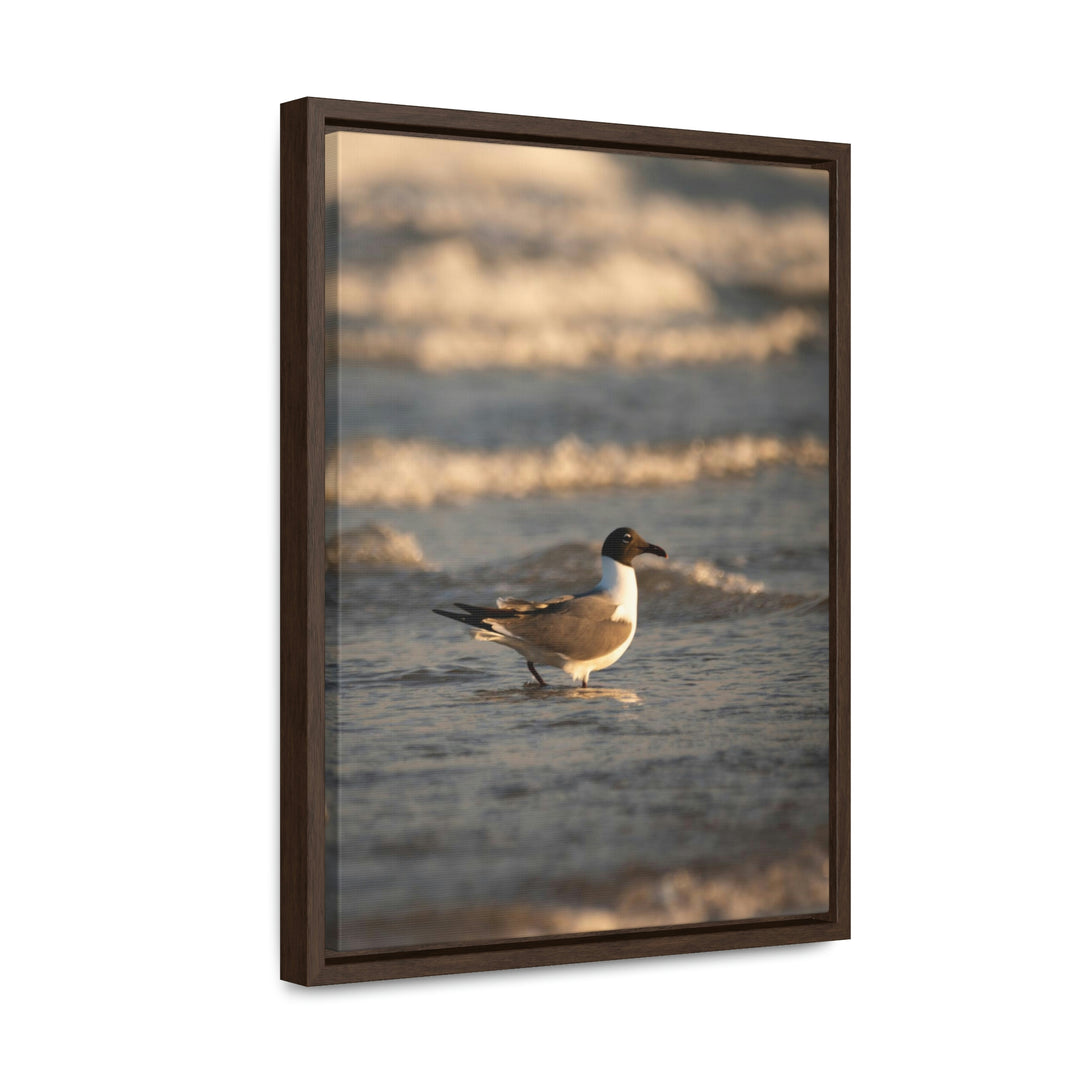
(626,538)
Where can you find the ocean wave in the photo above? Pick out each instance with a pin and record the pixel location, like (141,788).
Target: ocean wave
(673,590)
(443,347)
(375,545)
(579,560)
(700,572)
(681,590)
(444,307)
(459,255)
(796,884)
(785,253)
(449,280)
(678,589)
(417,472)
(515,198)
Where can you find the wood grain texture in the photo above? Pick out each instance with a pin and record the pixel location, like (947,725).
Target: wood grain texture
(304,958)
(579,949)
(302,544)
(406,119)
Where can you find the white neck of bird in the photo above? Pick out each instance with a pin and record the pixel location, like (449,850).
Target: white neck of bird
(620,581)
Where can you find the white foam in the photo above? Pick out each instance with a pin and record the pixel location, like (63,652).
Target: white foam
(374,545)
(796,885)
(703,572)
(416,472)
(447,346)
(448,280)
(733,244)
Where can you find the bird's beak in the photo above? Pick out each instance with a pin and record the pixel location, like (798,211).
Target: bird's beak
(654,549)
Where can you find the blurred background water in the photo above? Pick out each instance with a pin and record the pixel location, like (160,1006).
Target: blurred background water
(529,348)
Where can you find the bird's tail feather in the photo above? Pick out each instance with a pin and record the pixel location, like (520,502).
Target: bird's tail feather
(471,618)
(483,612)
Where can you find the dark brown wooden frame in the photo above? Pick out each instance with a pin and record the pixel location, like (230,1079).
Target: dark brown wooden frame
(304,958)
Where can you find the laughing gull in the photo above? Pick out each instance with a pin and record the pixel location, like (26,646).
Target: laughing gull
(579,634)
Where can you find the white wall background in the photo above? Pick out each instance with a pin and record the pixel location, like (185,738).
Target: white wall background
(139,562)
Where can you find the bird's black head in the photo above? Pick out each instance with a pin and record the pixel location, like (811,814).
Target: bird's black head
(624,545)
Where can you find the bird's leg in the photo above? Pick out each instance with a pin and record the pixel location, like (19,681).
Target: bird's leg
(536,674)
(585,682)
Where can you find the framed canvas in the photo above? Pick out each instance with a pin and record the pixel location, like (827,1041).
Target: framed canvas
(564,541)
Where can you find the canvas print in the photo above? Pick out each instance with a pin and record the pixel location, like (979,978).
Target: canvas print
(577,573)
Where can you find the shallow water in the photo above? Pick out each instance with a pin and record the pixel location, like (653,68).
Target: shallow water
(468,802)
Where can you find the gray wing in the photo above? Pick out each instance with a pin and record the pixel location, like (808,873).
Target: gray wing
(579,628)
